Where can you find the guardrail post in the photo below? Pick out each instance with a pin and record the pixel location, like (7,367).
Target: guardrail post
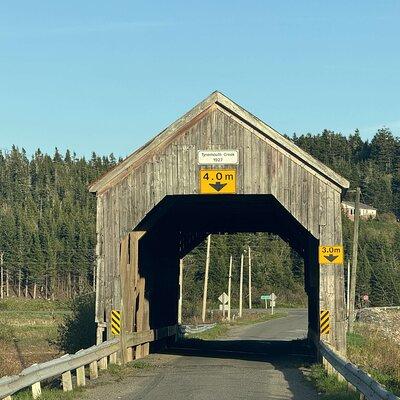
(80,376)
(66,381)
(129,354)
(36,390)
(113,358)
(103,363)
(93,370)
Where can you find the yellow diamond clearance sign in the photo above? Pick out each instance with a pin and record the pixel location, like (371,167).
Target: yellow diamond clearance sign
(330,255)
(217,181)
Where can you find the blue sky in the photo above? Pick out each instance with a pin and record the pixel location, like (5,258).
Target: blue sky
(108,75)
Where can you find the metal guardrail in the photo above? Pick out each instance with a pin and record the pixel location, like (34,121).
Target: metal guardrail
(33,375)
(193,329)
(362,381)
(39,372)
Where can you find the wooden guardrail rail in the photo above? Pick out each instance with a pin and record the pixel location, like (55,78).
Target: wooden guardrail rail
(360,380)
(95,357)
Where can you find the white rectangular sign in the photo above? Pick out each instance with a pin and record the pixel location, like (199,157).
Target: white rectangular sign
(210,157)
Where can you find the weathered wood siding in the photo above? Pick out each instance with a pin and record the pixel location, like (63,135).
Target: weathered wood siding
(264,168)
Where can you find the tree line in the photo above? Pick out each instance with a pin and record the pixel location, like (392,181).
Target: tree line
(47,225)
(47,220)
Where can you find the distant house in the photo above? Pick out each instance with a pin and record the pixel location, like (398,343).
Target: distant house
(366,211)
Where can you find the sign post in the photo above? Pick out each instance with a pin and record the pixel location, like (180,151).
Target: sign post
(273,298)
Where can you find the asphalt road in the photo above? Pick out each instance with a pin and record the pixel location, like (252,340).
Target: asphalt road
(261,361)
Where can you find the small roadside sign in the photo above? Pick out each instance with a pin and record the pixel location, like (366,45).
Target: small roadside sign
(223,298)
(115,322)
(324,322)
(217,181)
(330,255)
(266,297)
(218,157)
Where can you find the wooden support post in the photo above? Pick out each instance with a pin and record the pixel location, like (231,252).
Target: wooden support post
(36,390)
(113,358)
(66,381)
(80,376)
(180,291)
(146,346)
(241,286)
(229,288)
(99,339)
(249,278)
(7,398)
(1,275)
(348,289)
(354,259)
(203,315)
(129,354)
(93,370)
(139,352)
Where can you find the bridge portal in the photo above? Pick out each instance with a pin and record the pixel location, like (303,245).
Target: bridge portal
(216,169)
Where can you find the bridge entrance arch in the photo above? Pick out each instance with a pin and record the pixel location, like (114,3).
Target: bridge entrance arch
(152,210)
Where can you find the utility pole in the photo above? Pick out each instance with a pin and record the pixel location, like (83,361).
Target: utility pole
(203,316)
(354,262)
(229,288)
(249,278)
(2,275)
(241,286)
(180,291)
(348,288)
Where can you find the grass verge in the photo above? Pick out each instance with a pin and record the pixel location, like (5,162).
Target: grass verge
(375,354)
(328,386)
(48,394)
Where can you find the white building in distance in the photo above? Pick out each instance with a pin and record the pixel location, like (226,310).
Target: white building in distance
(366,211)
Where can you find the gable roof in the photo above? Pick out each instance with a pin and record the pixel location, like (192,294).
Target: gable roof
(217,98)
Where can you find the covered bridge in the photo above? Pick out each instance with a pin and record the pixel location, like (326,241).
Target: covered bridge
(164,199)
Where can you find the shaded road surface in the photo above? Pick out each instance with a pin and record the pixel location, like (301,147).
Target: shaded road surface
(260,361)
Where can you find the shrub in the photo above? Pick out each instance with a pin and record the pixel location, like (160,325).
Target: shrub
(78,330)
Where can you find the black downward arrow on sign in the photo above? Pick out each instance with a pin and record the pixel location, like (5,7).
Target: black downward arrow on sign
(218,186)
(331,257)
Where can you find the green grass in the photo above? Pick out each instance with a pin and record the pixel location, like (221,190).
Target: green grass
(218,331)
(16,304)
(375,354)
(329,386)
(355,340)
(48,394)
(122,371)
